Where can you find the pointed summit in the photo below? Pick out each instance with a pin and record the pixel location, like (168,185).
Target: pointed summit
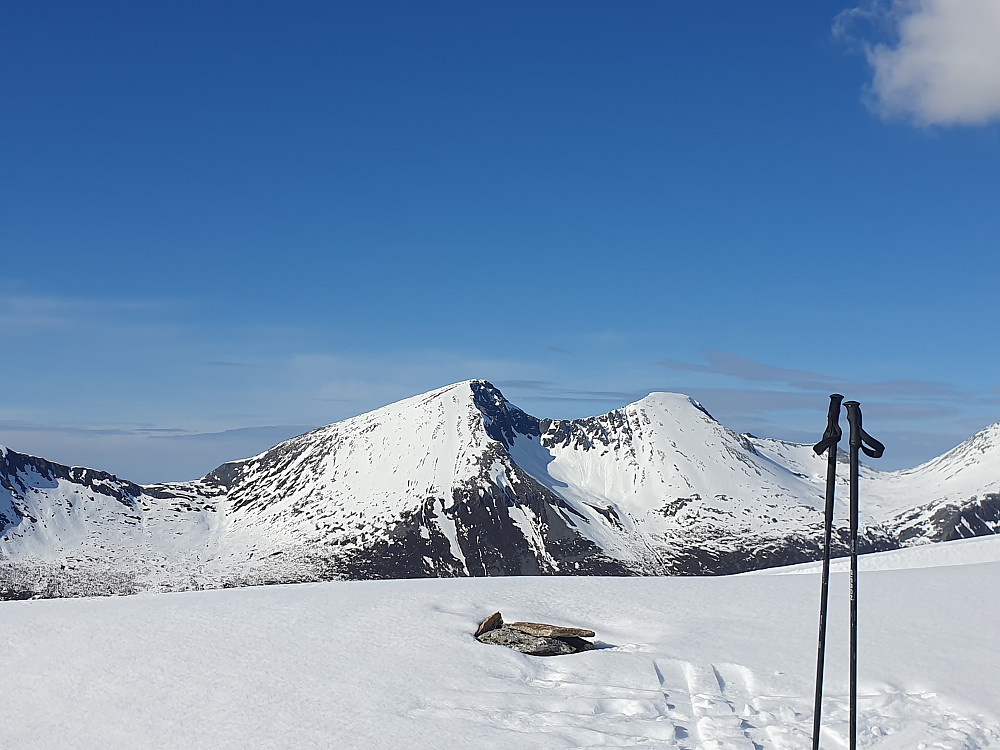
(504,422)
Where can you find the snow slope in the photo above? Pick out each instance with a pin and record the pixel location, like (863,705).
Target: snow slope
(954,496)
(968,470)
(673,481)
(723,662)
(985,549)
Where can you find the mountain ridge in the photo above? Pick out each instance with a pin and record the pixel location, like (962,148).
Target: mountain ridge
(459,481)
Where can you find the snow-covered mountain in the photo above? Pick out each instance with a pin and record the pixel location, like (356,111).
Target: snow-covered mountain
(460,482)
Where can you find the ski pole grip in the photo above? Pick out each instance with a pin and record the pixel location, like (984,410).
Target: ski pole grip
(833,434)
(833,416)
(859,438)
(854,420)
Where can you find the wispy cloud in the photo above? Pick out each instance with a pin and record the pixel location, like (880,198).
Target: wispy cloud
(939,61)
(144,454)
(536,386)
(550,391)
(270,434)
(726,363)
(582,397)
(8,426)
(152,433)
(747,370)
(753,401)
(30,314)
(186,387)
(918,417)
(378,379)
(909,412)
(234,364)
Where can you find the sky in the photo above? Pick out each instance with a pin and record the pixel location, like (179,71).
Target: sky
(224,223)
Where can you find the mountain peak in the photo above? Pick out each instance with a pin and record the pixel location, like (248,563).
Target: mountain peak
(671,400)
(503,421)
(990,434)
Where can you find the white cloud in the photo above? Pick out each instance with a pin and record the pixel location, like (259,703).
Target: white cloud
(942,66)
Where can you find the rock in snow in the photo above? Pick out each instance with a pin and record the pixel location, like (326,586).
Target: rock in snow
(534,638)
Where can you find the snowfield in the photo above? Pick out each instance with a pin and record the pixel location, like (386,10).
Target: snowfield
(688,662)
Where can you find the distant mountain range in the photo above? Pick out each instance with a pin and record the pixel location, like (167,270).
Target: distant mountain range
(460,482)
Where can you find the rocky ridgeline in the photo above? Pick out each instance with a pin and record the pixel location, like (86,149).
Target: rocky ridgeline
(534,638)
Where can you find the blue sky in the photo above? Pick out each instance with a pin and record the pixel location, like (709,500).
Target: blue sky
(222,223)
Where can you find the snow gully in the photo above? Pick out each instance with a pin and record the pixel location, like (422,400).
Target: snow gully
(859,440)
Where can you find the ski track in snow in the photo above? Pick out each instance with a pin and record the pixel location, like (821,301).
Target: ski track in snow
(666,702)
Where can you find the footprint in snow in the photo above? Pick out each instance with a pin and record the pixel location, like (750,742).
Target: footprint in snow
(628,697)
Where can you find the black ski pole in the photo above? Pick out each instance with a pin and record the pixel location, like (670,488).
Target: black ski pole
(829,443)
(859,440)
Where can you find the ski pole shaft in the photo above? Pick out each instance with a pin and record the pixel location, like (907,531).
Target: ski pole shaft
(829,443)
(859,441)
(854,595)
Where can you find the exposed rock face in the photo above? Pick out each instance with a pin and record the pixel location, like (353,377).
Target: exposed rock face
(534,638)
(944,522)
(550,631)
(526,644)
(534,645)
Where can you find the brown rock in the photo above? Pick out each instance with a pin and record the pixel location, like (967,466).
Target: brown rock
(549,631)
(493,622)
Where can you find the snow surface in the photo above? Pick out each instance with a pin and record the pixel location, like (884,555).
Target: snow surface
(959,552)
(684,662)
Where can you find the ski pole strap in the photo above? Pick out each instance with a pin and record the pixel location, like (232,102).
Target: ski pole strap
(874,448)
(859,438)
(833,434)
